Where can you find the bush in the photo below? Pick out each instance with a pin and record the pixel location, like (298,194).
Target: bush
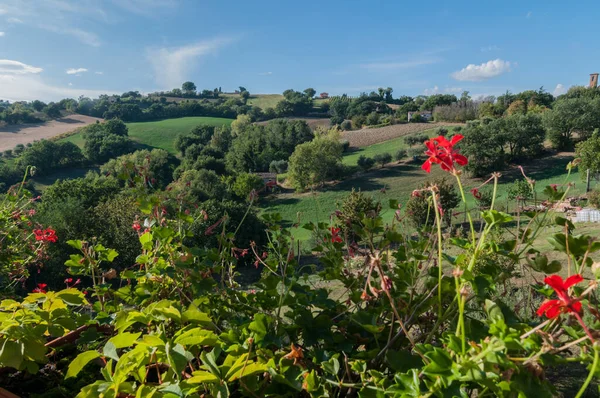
(594,198)
(365,163)
(372,119)
(359,121)
(441,131)
(419,207)
(382,158)
(107,140)
(401,154)
(352,210)
(414,153)
(278,166)
(345,145)
(346,125)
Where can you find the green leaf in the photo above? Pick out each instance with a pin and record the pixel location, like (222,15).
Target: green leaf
(110,351)
(75,244)
(249,369)
(124,339)
(80,361)
(494,311)
(146,241)
(440,362)
(496,217)
(202,376)
(193,315)
(197,336)
(71,296)
(11,354)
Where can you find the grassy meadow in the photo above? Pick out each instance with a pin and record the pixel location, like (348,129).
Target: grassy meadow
(162,133)
(397,180)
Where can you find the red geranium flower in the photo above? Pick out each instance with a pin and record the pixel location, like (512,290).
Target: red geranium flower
(136,226)
(441,151)
(46,235)
(41,288)
(335,238)
(565,303)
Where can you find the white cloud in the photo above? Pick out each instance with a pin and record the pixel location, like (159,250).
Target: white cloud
(266,73)
(14,20)
(2,34)
(99,73)
(83,36)
(70,84)
(172,66)
(73,71)
(31,87)
(559,90)
(446,90)
(379,66)
(528,15)
(3,11)
(8,66)
(487,70)
(489,48)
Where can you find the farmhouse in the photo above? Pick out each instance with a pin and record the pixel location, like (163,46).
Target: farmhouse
(425,115)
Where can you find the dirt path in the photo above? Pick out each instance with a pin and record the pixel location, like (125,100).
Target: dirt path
(12,135)
(365,137)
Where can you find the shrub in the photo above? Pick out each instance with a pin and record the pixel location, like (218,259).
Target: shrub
(372,119)
(594,198)
(346,125)
(419,207)
(19,148)
(365,163)
(352,210)
(345,145)
(382,158)
(359,121)
(442,131)
(401,154)
(414,153)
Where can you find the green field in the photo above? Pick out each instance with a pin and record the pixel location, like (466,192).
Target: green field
(397,181)
(160,134)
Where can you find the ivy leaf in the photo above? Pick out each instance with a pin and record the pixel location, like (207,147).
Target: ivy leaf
(80,361)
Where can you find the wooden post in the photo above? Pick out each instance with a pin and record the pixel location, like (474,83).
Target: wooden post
(587,181)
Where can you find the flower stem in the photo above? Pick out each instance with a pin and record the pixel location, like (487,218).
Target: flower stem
(464,199)
(590,375)
(438,222)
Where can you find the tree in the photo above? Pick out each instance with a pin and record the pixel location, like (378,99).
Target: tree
(155,167)
(240,124)
(48,156)
(52,110)
(570,116)
(245,95)
(382,158)
(588,151)
(188,88)
(245,183)
(198,185)
(242,89)
(365,163)
(310,92)
(316,161)
(518,107)
(106,140)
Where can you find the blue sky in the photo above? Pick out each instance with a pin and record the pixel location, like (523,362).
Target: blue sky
(51,49)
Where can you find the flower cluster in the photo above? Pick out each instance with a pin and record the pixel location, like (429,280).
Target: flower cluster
(565,303)
(46,235)
(442,152)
